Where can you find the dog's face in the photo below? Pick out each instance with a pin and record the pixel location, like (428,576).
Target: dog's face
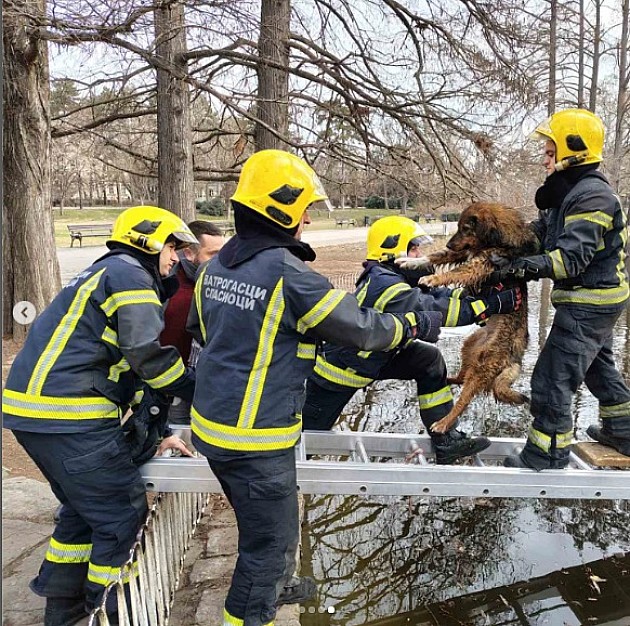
(485,225)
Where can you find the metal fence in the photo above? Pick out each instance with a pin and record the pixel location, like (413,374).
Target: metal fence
(344,281)
(146,586)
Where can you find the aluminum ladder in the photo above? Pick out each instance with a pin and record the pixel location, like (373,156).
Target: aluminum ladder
(374,464)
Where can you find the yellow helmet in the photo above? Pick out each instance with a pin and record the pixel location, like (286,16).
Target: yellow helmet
(278,185)
(578,135)
(148,227)
(392,236)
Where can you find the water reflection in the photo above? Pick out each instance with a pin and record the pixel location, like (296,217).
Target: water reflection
(468,561)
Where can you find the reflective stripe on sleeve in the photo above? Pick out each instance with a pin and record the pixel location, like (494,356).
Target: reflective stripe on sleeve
(389,294)
(124,298)
(51,407)
(175,371)
(557,264)
(597,217)
(306,351)
(320,311)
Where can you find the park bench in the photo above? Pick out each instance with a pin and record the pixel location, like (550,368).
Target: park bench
(79,231)
(227,228)
(341,222)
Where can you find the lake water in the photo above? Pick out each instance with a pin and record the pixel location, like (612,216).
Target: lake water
(392,561)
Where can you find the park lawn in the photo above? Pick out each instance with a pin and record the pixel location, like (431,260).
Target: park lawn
(321,220)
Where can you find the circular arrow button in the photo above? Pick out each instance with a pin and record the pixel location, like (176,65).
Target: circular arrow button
(24,312)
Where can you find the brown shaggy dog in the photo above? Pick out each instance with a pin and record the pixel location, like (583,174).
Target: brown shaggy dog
(492,356)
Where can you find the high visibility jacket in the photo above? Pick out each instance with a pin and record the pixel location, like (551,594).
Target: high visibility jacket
(260,322)
(584,241)
(84,354)
(384,289)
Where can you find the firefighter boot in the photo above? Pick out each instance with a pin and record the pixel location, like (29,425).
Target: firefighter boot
(64,611)
(599,434)
(299,590)
(455,445)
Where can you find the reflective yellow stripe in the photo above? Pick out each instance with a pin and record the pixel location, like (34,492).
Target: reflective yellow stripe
(306,351)
(478,306)
(360,296)
(398,334)
(321,310)
(62,333)
(53,407)
(389,294)
(68,552)
(198,286)
(245,439)
(264,353)
(430,400)
(599,297)
(557,264)
(563,440)
(106,574)
(230,620)
(539,439)
(110,336)
(347,377)
(117,369)
(452,314)
(543,441)
(175,371)
(615,410)
(597,217)
(364,354)
(123,298)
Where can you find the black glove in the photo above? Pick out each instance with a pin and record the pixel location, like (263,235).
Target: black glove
(527,268)
(147,425)
(506,301)
(424,325)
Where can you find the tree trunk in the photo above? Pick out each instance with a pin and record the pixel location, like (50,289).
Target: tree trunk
(273,80)
(175,162)
(30,269)
(597,45)
(623,97)
(553,42)
(581,68)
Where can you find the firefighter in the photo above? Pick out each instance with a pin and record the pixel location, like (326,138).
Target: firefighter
(260,312)
(583,234)
(386,286)
(67,389)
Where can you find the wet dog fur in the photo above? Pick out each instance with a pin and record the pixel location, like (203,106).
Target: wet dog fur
(491,357)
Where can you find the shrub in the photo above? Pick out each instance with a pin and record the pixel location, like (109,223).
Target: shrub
(211,206)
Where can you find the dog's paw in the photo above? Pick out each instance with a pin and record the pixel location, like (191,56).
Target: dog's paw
(430,281)
(441,426)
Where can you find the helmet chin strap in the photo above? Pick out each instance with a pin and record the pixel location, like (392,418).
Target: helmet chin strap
(571,161)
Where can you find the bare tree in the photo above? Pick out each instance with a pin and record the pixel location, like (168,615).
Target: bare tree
(175,159)
(30,269)
(622,132)
(273,74)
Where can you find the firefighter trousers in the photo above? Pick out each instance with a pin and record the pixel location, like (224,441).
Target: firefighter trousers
(419,361)
(263,493)
(579,349)
(103,505)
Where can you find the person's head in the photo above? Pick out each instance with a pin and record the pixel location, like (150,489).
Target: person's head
(573,137)
(153,231)
(394,236)
(210,239)
(279,186)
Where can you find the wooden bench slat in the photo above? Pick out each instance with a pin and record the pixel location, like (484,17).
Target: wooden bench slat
(79,231)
